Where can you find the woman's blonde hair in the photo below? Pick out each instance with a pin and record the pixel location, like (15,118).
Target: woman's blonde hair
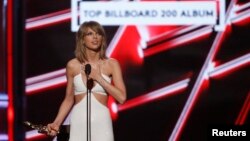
(80,51)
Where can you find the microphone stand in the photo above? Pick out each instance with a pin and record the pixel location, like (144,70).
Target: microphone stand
(88,110)
(89,87)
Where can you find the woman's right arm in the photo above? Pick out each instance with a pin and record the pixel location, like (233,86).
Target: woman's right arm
(66,104)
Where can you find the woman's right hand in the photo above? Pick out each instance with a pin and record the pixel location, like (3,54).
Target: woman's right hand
(53,129)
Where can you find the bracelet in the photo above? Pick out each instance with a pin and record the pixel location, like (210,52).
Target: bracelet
(57,131)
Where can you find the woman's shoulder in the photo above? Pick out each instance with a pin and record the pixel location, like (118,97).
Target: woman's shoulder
(73,63)
(112,61)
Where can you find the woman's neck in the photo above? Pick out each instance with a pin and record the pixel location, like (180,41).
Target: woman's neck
(93,57)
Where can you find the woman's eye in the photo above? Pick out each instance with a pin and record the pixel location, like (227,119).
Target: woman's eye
(92,34)
(89,34)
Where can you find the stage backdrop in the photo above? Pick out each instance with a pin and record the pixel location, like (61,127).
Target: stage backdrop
(185,64)
(3,76)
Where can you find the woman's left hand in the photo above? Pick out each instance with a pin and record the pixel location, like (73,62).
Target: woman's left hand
(95,71)
(53,129)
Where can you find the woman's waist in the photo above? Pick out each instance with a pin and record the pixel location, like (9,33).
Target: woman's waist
(102,99)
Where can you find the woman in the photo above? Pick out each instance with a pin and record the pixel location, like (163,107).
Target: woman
(90,49)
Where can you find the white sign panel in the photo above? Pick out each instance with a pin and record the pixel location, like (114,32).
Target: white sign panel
(115,13)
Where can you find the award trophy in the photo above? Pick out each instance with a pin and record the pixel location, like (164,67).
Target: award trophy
(39,127)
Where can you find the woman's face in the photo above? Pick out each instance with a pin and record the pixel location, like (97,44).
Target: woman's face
(92,40)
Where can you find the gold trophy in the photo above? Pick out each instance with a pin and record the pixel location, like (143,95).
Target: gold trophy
(39,127)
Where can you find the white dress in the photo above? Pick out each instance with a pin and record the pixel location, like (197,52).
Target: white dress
(101,123)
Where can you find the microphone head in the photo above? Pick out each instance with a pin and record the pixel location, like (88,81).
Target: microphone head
(87,69)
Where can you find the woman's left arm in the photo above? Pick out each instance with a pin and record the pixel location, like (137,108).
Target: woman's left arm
(118,89)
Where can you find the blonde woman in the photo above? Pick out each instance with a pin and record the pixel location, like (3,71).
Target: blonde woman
(90,49)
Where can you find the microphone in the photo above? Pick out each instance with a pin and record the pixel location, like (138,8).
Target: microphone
(87,72)
(87,69)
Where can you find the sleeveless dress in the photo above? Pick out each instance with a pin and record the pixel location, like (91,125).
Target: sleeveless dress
(101,123)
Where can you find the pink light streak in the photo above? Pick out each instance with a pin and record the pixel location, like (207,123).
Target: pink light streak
(178,41)
(231,65)
(195,91)
(45,77)
(10,87)
(244,111)
(33,134)
(145,98)
(48,19)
